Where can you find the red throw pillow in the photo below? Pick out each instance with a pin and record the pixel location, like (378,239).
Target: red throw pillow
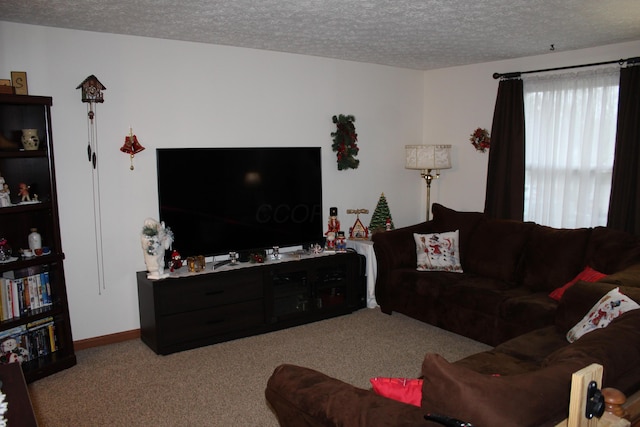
(401,389)
(587,275)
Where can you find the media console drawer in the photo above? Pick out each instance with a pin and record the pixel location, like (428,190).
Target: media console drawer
(199,324)
(178,295)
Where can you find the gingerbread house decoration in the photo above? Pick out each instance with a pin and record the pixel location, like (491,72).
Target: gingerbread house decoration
(358,231)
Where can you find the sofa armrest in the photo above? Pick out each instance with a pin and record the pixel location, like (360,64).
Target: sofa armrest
(303,397)
(394,250)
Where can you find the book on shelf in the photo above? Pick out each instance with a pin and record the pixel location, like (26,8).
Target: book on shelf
(20,295)
(28,342)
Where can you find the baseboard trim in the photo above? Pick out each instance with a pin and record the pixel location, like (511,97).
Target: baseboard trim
(106,339)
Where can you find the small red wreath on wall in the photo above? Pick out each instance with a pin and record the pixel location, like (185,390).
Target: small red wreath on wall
(481,140)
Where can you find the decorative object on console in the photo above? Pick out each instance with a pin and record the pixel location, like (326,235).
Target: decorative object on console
(481,140)
(345,142)
(155,239)
(381,218)
(341,244)
(176,261)
(131,146)
(358,231)
(332,229)
(427,158)
(30,140)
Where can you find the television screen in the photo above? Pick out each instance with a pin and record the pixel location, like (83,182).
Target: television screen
(217,200)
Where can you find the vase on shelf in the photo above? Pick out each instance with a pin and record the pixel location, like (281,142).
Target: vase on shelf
(30,140)
(35,240)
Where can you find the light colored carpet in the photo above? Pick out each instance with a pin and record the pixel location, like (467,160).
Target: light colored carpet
(127,384)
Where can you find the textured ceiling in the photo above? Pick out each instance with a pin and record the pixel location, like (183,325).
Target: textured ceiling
(418,34)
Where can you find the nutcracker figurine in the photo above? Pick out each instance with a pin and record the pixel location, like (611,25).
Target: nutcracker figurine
(333,228)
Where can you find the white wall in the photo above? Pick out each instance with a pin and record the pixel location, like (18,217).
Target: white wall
(460,99)
(189,94)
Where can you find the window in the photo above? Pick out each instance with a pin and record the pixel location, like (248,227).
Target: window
(570,130)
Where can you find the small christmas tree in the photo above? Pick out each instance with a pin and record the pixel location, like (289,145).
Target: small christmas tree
(381,216)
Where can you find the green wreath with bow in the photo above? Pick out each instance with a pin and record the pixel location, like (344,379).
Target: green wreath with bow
(345,142)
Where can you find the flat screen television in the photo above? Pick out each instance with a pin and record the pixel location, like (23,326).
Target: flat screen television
(217,200)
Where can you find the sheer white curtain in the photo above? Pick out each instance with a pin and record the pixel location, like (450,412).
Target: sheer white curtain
(570,131)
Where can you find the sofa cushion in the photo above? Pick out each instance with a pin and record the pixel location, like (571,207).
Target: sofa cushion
(579,299)
(495,362)
(629,277)
(535,308)
(477,293)
(407,390)
(438,252)
(529,399)
(616,348)
(587,275)
(445,219)
(553,257)
(610,306)
(495,248)
(612,250)
(534,346)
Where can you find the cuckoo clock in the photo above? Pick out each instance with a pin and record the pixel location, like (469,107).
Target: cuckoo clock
(92,95)
(92,89)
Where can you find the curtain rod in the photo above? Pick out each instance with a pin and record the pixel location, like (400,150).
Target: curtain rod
(629,61)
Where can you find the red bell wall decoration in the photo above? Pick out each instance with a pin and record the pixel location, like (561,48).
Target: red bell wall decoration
(131,146)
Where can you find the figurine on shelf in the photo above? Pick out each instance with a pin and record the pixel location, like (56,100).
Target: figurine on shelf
(333,228)
(5,199)
(23,192)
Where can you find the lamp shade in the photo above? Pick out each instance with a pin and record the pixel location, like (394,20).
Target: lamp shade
(426,157)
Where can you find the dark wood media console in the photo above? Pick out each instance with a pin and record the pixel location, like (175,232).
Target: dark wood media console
(198,309)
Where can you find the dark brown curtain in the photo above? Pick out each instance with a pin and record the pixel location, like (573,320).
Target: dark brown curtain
(624,204)
(505,176)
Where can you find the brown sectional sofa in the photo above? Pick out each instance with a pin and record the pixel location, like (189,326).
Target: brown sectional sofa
(510,267)
(501,299)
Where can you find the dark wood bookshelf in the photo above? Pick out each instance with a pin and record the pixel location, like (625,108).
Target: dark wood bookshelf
(37,169)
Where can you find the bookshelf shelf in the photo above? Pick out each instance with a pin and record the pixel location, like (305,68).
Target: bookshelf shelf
(35,329)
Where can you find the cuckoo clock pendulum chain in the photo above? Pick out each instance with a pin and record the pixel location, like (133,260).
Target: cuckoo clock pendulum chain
(92,95)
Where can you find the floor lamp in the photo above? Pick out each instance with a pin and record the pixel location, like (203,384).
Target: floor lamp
(427,158)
